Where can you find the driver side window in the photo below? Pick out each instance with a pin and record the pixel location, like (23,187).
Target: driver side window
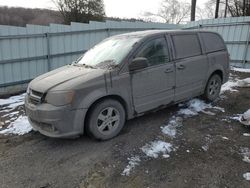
(155,51)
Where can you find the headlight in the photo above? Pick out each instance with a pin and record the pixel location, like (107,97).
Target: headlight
(59,98)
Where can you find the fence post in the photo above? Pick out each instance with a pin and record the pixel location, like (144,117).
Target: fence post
(246,48)
(48,50)
(108,30)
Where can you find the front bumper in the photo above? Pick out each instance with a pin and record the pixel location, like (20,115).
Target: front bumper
(53,121)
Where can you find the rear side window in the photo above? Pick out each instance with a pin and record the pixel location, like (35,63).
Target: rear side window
(186,45)
(212,42)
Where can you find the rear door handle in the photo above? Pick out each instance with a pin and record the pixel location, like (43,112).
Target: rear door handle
(169,70)
(180,67)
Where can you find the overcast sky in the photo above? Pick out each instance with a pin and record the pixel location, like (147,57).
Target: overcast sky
(113,8)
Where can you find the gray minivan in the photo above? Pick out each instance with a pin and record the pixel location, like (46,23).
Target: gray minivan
(126,76)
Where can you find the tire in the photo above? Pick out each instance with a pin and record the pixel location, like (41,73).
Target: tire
(106,119)
(213,88)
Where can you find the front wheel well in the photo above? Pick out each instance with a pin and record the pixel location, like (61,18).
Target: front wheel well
(114,97)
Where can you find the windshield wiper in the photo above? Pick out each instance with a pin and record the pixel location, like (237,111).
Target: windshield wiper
(73,63)
(82,65)
(87,66)
(110,64)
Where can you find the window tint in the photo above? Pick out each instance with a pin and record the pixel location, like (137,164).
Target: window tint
(155,51)
(212,42)
(186,45)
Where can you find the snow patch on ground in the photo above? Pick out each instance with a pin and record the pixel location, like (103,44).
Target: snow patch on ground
(156,148)
(153,150)
(226,120)
(246,134)
(133,162)
(247,176)
(246,159)
(229,86)
(240,69)
(171,128)
(245,152)
(208,141)
(12,100)
(194,106)
(219,108)
(20,126)
(245,118)
(205,147)
(236,117)
(11,103)
(243,83)
(233,83)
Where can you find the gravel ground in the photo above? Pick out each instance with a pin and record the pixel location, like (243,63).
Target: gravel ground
(208,151)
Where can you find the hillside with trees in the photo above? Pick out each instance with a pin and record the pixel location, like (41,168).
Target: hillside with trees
(22,16)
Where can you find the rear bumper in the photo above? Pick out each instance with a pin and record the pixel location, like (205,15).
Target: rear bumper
(57,122)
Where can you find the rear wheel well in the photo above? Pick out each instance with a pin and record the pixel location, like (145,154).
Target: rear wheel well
(114,97)
(218,72)
(211,93)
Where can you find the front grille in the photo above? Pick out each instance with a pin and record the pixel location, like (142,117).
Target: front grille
(36,93)
(34,101)
(35,97)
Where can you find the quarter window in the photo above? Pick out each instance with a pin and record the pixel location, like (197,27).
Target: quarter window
(186,45)
(155,51)
(212,42)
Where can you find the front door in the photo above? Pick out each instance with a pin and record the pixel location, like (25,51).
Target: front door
(153,86)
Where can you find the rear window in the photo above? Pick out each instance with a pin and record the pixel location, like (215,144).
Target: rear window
(212,42)
(186,45)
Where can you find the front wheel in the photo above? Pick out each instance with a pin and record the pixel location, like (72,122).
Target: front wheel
(213,88)
(106,119)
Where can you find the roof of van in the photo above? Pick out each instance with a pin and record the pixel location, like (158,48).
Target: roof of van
(153,32)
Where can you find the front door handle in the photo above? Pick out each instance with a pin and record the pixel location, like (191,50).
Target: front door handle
(169,70)
(180,67)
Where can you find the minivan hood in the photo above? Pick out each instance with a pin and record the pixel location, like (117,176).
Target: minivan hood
(62,75)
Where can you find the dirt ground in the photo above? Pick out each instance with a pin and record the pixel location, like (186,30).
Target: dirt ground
(33,160)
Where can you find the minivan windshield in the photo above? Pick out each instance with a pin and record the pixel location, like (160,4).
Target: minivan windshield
(109,52)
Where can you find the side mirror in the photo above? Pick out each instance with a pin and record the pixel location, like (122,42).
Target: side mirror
(138,63)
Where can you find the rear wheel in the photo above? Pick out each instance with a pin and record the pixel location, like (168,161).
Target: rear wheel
(213,88)
(106,119)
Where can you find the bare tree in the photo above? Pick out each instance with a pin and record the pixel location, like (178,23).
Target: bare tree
(239,8)
(244,7)
(210,9)
(217,8)
(193,7)
(232,8)
(171,11)
(80,10)
(225,11)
